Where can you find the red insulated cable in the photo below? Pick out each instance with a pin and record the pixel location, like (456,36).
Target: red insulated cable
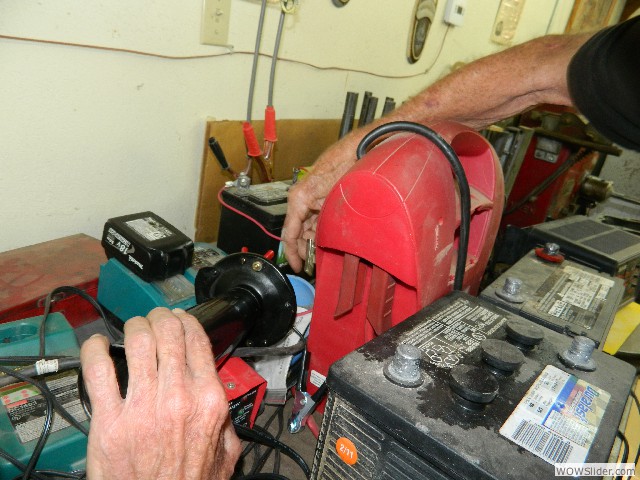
(242,214)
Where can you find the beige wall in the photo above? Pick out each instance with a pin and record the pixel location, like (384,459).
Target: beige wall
(91,133)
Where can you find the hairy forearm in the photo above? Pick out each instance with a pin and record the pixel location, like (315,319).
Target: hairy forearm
(494,87)
(484,91)
(498,86)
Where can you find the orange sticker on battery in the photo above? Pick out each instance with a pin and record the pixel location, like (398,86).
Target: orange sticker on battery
(346,450)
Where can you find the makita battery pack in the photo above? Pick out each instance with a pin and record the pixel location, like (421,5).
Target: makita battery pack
(464,389)
(559,294)
(606,248)
(147,245)
(266,203)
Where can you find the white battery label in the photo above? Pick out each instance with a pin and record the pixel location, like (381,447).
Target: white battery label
(149,228)
(316,378)
(574,295)
(558,417)
(26,406)
(118,241)
(585,288)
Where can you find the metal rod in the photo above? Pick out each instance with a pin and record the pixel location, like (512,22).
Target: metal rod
(364,109)
(349,113)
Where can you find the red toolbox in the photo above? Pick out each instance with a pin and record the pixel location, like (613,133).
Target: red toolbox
(28,274)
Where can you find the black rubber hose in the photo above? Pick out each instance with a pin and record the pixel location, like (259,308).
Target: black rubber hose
(73,291)
(456,166)
(63,364)
(268,351)
(262,476)
(625,450)
(20,466)
(270,441)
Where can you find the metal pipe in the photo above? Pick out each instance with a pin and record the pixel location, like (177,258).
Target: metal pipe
(349,113)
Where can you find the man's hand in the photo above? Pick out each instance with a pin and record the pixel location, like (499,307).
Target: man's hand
(174,422)
(306,198)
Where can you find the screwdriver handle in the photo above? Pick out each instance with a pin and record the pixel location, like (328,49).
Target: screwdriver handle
(216,149)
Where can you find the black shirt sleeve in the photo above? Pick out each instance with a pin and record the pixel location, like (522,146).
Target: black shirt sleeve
(604,82)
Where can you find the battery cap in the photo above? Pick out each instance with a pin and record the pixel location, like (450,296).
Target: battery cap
(473,384)
(501,355)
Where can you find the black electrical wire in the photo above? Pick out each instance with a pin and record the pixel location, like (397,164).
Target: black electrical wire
(20,359)
(265,456)
(67,363)
(81,293)
(253,445)
(20,466)
(458,170)
(268,440)
(625,450)
(46,428)
(267,351)
(317,396)
(276,460)
(49,397)
(635,398)
(262,476)
(54,475)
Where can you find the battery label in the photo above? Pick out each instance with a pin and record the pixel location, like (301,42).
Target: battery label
(118,241)
(452,333)
(269,193)
(558,417)
(205,257)
(149,228)
(240,409)
(574,295)
(26,406)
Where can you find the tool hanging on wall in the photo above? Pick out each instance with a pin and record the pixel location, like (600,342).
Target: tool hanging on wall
(367,112)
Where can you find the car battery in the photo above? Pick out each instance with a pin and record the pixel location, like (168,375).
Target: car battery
(23,408)
(564,296)
(266,204)
(464,389)
(604,247)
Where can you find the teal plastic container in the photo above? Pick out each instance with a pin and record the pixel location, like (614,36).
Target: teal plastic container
(22,408)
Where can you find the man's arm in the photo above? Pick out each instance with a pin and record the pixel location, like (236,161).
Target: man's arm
(480,93)
(174,422)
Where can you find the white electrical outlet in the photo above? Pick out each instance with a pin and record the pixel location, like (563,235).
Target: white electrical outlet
(454,11)
(215,22)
